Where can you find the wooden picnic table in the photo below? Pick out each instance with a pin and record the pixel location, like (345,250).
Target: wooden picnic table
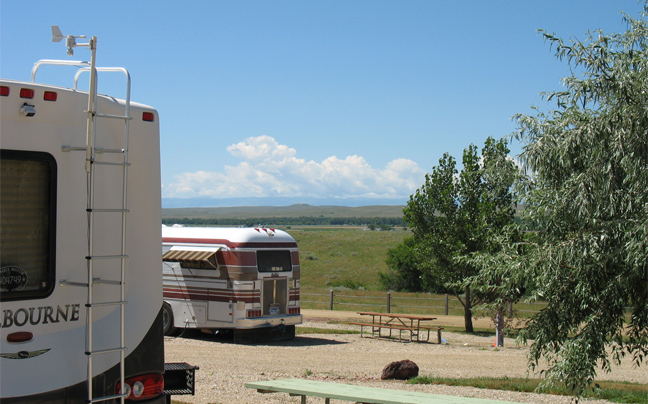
(398,322)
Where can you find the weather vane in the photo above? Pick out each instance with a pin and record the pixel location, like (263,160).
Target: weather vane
(70,40)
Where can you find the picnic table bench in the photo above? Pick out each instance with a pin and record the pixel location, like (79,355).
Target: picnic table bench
(376,328)
(409,323)
(438,331)
(359,394)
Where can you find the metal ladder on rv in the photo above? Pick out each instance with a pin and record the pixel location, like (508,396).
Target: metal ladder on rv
(117,260)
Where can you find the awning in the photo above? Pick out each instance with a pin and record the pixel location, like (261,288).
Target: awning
(192,259)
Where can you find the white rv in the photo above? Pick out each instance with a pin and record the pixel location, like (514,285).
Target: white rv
(245,280)
(81,293)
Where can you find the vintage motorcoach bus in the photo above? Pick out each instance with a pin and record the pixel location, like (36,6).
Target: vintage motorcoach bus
(244,280)
(81,314)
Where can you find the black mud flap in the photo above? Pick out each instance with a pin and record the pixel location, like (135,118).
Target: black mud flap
(278,333)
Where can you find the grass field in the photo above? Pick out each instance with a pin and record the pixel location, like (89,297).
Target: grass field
(619,392)
(349,261)
(337,257)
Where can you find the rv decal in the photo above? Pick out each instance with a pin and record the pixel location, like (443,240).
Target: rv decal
(13,278)
(23,354)
(40,315)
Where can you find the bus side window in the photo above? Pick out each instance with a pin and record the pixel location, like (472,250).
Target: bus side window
(197,265)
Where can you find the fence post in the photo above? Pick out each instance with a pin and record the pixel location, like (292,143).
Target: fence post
(388,302)
(331,301)
(446,304)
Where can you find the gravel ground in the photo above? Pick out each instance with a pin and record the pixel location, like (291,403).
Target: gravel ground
(346,358)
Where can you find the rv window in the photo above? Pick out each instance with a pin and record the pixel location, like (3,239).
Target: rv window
(274,261)
(27,224)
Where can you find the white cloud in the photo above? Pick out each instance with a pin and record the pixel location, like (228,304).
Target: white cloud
(269,169)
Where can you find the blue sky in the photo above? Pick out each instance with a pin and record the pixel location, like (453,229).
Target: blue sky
(314,100)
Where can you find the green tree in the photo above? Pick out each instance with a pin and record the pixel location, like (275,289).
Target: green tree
(408,272)
(404,274)
(588,196)
(498,281)
(456,214)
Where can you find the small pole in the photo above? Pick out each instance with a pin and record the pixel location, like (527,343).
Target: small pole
(331,301)
(446,304)
(388,302)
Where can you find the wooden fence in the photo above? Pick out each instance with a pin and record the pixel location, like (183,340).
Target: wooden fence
(391,302)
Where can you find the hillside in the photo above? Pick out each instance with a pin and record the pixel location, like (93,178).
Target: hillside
(301,210)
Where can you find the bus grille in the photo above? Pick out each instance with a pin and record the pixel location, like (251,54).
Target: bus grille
(275,297)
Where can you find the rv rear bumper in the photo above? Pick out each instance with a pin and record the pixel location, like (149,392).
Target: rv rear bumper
(274,321)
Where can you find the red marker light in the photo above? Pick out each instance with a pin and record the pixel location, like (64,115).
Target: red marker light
(148,116)
(4,91)
(50,96)
(26,93)
(18,337)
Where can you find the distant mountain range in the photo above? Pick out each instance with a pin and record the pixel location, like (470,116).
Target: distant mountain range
(292,211)
(230,202)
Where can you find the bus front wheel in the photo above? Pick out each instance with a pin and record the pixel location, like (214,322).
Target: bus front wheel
(167,320)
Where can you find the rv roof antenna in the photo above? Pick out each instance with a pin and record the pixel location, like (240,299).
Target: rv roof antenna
(70,40)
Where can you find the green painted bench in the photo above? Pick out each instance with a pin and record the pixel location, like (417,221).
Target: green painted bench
(359,394)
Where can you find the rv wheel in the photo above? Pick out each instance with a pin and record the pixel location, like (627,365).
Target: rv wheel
(167,320)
